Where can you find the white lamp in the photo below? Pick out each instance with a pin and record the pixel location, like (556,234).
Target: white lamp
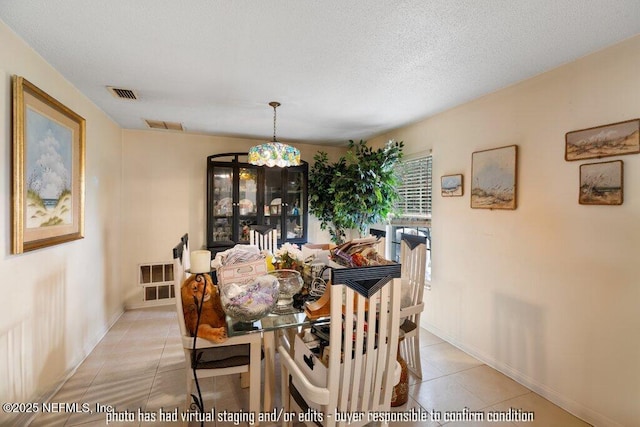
(200,262)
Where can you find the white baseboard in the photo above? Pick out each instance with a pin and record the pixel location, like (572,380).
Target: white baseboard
(132,305)
(586,414)
(26,419)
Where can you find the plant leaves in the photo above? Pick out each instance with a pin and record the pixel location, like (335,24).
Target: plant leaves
(358,190)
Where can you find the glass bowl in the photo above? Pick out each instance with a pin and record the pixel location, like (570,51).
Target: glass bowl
(250,301)
(290,284)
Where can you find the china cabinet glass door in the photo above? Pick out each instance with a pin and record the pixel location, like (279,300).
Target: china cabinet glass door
(295,204)
(222,229)
(247,202)
(273,199)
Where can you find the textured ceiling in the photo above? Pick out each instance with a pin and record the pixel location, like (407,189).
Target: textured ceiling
(341,69)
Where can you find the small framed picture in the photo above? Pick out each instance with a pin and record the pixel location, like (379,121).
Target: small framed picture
(451,185)
(603,141)
(494,178)
(601,183)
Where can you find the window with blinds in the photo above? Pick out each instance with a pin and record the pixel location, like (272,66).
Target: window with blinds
(415,190)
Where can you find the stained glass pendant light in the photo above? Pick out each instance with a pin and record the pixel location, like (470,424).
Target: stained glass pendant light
(274,153)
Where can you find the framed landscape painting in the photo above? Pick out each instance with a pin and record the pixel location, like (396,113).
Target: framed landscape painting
(603,141)
(601,183)
(451,185)
(493,178)
(48,170)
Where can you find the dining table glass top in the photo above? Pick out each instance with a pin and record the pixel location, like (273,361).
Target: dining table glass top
(270,322)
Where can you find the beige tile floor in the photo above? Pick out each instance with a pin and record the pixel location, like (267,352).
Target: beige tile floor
(139,367)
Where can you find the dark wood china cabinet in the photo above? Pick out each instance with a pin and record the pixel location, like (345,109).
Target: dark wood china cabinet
(240,194)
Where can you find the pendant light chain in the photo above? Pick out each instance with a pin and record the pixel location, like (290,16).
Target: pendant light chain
(274,123)
(275,105)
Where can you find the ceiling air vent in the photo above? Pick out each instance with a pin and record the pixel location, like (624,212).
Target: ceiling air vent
(157,124)
(121,93)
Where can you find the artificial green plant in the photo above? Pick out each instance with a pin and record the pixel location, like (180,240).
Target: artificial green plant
(358,190)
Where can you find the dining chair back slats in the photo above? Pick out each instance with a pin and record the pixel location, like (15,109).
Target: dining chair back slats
(179,253)
(362,366)
(379,391)
(381,246)
(264,237)
(369,364)
(344,387)
(358,359)
(413,257)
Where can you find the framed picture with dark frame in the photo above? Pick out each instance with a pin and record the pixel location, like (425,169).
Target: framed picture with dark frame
(48,170)
(601,183)
(494,178)
(451,185)
(614,139)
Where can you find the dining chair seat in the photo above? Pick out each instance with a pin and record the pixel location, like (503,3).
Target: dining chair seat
(216,358)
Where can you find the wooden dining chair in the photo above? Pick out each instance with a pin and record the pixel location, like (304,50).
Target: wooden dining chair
(363,382)
(381,246)
(413,258)
(264,237)
(237,355)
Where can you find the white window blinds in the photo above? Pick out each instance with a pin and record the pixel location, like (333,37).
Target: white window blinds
(415,190)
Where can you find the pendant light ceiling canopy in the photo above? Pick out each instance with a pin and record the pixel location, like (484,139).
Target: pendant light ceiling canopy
(274,153)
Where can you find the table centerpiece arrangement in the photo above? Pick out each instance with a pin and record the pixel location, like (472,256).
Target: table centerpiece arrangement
(289,264)
(289,257)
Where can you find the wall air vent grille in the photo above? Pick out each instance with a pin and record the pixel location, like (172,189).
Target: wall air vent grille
(121,93)
(157,124)
(157,281)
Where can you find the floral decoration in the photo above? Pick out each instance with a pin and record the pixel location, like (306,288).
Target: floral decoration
(289,256)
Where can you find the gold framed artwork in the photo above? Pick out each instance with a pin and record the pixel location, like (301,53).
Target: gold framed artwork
(601,183)
(48,170)
(603,141)
(494,178)
(451,185)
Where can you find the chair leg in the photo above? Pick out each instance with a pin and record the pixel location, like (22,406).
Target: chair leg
(284,391)
(269,369)
(254,379)
(416,353)
(189,390)
(411,354)
(330,421)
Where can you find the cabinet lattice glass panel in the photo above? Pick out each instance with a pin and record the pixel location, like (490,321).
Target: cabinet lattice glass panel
(240,195)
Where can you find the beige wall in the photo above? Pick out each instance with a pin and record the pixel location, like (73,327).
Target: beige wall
(548,293)
(57,302)
(164,195)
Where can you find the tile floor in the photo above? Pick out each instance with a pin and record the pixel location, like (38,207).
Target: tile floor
(139,366)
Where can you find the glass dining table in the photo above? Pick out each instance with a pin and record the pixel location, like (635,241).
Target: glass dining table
(269,326)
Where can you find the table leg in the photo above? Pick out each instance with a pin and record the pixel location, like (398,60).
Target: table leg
(269,369)
(291,336)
